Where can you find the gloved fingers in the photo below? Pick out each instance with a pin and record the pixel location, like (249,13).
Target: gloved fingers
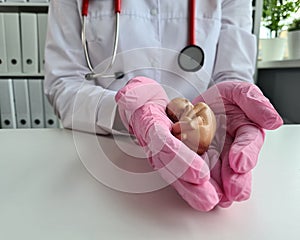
(195,173)
(215,166)
(225,202)
(237,186)
(202,197)
(135,94)
(168,151)
(146,117)
(248,97)
(244,151)
(150,127)
(252,102)
(215,174)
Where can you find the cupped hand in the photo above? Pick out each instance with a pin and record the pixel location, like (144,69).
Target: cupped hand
(242,113)
(143,113)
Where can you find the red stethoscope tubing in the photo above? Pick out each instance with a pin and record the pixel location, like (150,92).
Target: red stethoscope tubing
(85,7)
(117,6)
(192,17)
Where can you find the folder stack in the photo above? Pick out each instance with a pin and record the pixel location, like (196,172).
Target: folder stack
(22,42)
(24,105)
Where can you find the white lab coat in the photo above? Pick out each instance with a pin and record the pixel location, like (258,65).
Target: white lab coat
(151,35)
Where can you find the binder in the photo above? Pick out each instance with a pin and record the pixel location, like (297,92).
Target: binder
(13,43)
(3,57)
(51,121)
(29,42)
(60,125)
(22,103)
(7,107)
(36,101)
(42,31)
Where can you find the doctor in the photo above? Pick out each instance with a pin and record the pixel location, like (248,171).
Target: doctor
(151,35)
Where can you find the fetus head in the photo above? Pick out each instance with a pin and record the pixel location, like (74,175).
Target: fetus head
(177,107)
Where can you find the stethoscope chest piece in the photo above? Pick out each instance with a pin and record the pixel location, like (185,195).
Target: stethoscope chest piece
(191,58)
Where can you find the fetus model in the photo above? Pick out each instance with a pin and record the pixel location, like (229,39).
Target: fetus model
(194,125)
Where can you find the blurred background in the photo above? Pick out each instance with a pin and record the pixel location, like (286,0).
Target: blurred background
(278,65)
(23,23)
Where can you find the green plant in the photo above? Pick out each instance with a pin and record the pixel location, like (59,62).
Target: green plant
(295,25)
(276,11)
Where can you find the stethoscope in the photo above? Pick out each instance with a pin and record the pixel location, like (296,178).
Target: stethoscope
(190,58)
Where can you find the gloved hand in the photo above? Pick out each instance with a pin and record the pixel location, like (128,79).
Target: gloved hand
(141,104)
(241,123)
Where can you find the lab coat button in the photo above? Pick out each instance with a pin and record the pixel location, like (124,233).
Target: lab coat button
(153,11)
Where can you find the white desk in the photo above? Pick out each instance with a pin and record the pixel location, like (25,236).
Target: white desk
(46,193)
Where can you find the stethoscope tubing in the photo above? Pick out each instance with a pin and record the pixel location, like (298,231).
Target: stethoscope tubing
(85,8)
(83,39)
(192,22)
(181,57)
(92,75)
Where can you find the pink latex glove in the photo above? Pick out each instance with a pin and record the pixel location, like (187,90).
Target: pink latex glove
(142,103)
(248,113)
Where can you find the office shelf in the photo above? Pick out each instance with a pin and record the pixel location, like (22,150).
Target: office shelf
(24,7)
(21,75)
(288,63)
(23,4)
